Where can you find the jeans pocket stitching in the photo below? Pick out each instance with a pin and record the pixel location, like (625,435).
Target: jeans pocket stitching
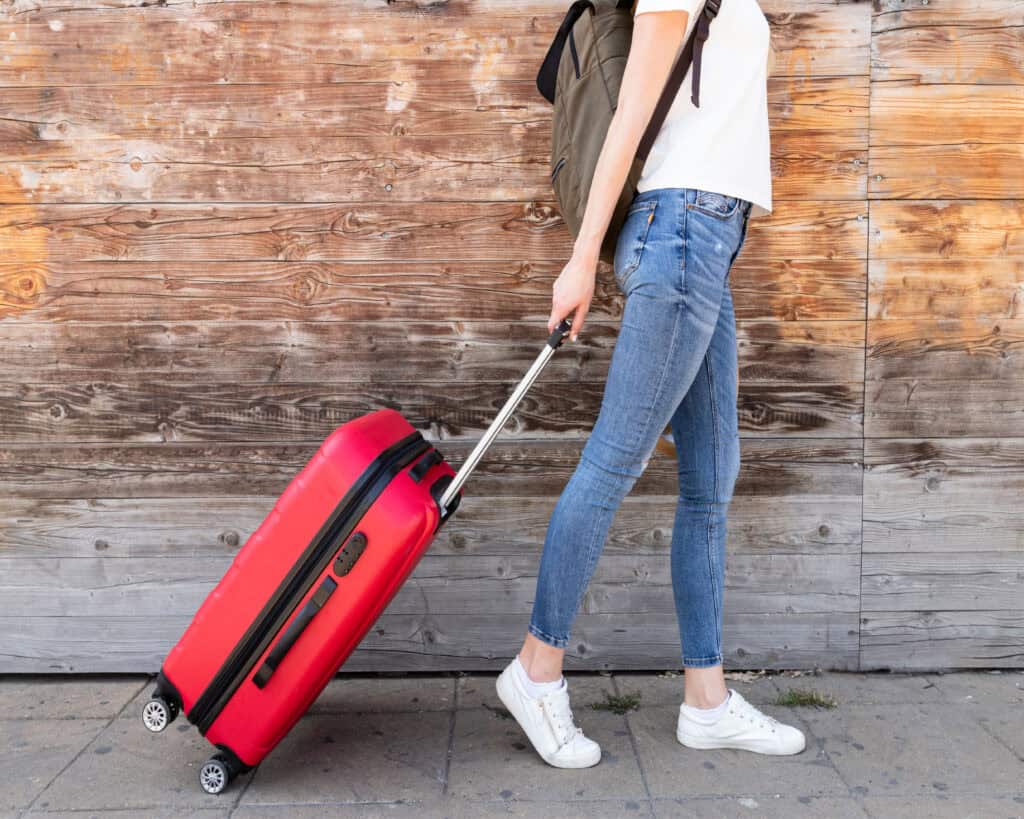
(645,207)
(717,214)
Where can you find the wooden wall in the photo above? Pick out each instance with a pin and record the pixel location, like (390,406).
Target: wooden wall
(226,228)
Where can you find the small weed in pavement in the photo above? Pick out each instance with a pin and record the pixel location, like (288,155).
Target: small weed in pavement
(805,696)
(618,704)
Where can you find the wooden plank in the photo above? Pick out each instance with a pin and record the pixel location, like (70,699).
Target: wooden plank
(61,119)
(153,410)
(773,469)
(459,168)
(910,114)
(486,231)
(168,291)
(940,640)
(978,171)
(947,230)
(947,41)
(947,581)
(448,642)
(468,352)
(383,42)
(819,515)
(943,496)
(105,587)
(945,377)
(929,288)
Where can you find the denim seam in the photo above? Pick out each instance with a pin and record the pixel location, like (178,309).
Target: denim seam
(682,254)
(714,659)
(714,497)
(557,642)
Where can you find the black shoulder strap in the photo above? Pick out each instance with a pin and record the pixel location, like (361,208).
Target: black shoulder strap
(548,74)
(691,52)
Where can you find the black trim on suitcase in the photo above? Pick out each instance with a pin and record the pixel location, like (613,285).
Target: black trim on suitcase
(315,559)
(294,631)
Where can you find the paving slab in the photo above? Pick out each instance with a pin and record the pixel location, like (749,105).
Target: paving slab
(775,806)
(920,749)
(1005,722)
(675,771)
(352,694)
(127,767)
(66,697)
(968,687)
(850,688)
(493,759)
(146,813)
(357,694)
(356,758)
(944,806)
(477,690)
(669,688)
(34,751)
(451,808)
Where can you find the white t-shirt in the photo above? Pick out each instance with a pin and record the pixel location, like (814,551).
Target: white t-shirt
(723,146)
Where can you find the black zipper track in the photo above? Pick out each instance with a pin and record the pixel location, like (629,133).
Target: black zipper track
(575,56)
(557,168)
(297,583)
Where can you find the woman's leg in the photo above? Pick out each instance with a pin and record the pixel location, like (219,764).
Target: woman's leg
(671,314)
(706,431)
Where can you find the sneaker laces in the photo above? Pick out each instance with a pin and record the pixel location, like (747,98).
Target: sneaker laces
(752,713)
(559,715)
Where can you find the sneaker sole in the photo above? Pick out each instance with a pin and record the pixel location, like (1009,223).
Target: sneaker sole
(506,700)
(703,744)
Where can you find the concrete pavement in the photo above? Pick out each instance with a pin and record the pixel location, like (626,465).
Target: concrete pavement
(896,745)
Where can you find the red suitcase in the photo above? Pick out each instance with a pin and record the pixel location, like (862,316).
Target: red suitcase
(310,581)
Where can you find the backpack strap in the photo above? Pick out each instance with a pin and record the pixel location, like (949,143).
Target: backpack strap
(691,52)
(548,74)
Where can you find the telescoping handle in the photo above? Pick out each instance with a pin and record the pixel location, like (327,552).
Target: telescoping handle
(553,343)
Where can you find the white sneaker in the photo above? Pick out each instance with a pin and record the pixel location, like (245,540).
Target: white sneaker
(548,723)
(741,726)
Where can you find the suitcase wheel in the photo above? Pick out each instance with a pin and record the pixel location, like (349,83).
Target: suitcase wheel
(158,713)
(216,774)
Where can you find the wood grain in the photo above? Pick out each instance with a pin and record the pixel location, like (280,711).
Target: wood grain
(215,252)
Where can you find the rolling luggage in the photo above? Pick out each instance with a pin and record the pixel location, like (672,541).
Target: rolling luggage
(310,582)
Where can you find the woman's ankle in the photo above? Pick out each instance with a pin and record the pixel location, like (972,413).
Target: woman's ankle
(543,662)
(704,687)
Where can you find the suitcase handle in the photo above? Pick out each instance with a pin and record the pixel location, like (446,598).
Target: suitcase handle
(299,624)
(553,343)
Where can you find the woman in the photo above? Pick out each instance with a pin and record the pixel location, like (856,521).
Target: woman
(674,362)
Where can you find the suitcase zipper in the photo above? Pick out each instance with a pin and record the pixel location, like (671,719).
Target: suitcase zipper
(299,580)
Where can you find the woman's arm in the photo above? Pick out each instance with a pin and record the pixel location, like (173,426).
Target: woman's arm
(656,41)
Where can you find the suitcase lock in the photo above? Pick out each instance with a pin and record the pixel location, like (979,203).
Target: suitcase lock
(350,553)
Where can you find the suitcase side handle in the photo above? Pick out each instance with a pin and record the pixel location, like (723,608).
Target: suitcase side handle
(553,343)
(299,624)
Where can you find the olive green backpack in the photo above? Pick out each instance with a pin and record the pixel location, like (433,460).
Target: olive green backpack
(583,84)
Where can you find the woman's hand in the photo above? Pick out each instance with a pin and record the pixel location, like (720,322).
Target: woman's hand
(574,289)
(652,51)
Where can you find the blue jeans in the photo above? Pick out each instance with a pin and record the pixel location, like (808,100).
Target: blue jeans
(674,362)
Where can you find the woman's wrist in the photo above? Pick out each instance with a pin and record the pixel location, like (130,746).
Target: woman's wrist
(586,249)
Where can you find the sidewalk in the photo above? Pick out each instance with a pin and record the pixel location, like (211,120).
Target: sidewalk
(896,745)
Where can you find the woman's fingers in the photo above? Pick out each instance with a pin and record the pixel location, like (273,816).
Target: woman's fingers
(577,319)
